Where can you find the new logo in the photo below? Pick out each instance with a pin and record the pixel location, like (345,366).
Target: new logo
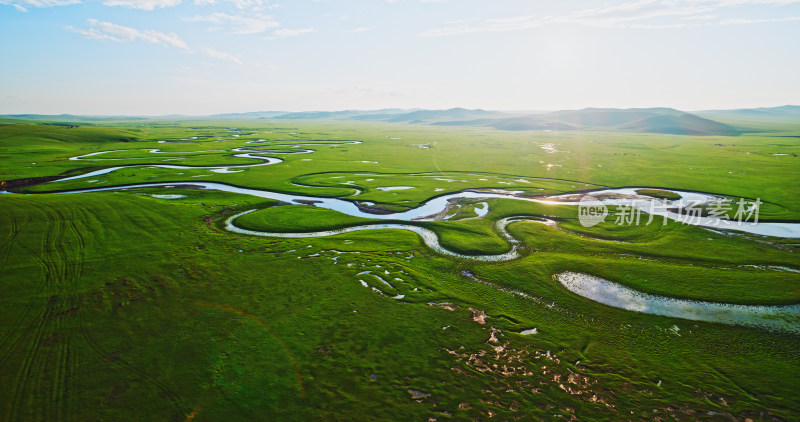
(591,211)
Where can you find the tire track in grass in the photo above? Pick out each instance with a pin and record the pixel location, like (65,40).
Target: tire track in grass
(729,380)
(18,383)
(33,365)
(62,398)
(52,357)
(64,373)
(71,360)
(84,332)
(8,240)
(62,256)
(72,270)
(61,278)
(59,307)
(13,333)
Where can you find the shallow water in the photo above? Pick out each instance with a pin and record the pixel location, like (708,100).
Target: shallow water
(266,161)
(426,210)
(776,318)
(434,206)
(482,208)
(245,152)
(168,196)
(628,196)
(430,238)
(389,188)
(226,170)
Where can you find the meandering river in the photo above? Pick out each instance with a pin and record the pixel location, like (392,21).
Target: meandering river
(436,205)
(782,318)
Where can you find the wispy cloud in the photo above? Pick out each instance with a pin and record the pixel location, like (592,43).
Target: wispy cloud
(254,5)
(635,11)
(283,33)
(248,5)
(238,24)
(108,31)
(742,21)
(24,5)
(726,3)
(630,14)
(221,55)
(361,29)
(699,17)
(489,25)
(143,4)
(113,32)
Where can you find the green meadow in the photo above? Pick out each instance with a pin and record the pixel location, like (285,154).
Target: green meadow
(138,304)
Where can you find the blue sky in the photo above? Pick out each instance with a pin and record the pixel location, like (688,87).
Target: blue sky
(211,56)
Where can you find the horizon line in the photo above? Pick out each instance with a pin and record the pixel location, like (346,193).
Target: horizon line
(411,109)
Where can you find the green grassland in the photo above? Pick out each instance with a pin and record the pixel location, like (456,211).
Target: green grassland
(743,166)
(126,306)
(662,194)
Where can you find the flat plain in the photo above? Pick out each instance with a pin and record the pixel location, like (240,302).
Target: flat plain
(140,304)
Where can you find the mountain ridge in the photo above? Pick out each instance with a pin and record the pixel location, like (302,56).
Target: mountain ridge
(662,120)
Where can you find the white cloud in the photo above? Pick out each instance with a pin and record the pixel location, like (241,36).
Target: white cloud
(91,34)
(727,3)
(361,29)
(143,4)
(238,24)
(113,32)
(660,26)
(633,11)
(489,25)
(742,21)
(254,5)
(244,5)
(210,52)
(630,14)
(700,17)
(283,33)
(24,5)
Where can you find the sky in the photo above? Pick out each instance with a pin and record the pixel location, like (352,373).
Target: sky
(157,57)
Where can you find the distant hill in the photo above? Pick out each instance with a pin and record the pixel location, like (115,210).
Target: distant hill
(644,120)
(514,123)
(682,124)
(636,120)
(311,115)
(521,123)
(782,113)
(607,117)
(434,116)
(71,117)
(338,115)
(249,115)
